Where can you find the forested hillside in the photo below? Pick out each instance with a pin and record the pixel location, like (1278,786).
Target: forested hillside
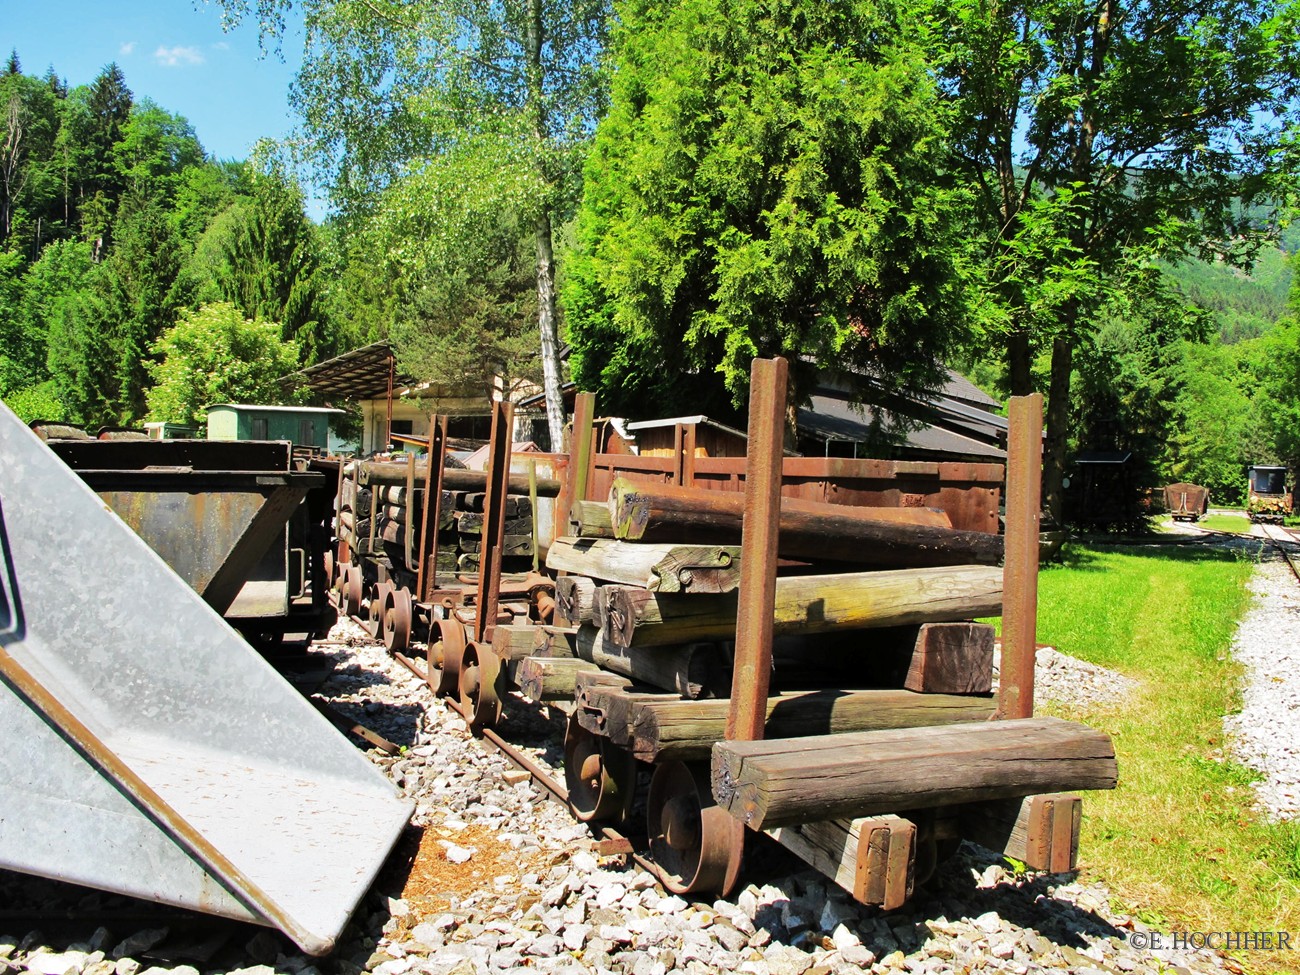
(114,225)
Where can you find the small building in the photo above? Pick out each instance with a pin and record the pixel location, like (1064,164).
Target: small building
(304,426)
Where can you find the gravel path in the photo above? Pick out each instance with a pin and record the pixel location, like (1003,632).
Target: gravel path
(499,878)
(1266,733)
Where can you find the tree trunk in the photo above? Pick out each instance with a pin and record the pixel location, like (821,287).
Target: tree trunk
(546,324)
(1019,364)
(1058,419)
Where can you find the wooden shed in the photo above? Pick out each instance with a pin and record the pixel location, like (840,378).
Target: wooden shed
(306,426)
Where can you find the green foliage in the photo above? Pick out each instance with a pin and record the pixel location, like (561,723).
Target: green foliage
(215,355)
(39,402)
(1279,373)
(768,181)
(1244,304)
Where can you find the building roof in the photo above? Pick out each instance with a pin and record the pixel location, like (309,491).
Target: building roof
(363,373)
(272,409)
(833,416)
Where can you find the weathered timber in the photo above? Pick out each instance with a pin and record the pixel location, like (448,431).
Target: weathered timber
(513,643)
(574,599)
(881,537)
(687,730)
(471,523)
(783,781)
(691,670)
(600,606)
(873,858)
(589,519)
(1040,831)
(377,473)
(813,604)
(952,658)
(661,568)
(607,709)
(546,679)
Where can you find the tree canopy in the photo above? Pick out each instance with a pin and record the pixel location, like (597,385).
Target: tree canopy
(770,179)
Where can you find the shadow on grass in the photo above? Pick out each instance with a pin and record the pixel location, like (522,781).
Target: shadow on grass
(1090,556)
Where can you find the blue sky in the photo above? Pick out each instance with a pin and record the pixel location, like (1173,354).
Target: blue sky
(173,51)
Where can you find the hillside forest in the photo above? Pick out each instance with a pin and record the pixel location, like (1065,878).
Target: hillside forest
(1093,201)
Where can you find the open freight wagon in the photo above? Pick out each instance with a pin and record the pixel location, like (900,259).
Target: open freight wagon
(770,644)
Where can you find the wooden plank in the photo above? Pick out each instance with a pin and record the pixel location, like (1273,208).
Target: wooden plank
(687,730)
(546,679)
(663,568)
(814,604)
(1041,831)
(1020,621)
(589,519)
(783,781)
(952,658)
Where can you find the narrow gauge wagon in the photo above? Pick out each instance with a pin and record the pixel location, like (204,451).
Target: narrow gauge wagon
(1267,496)
(1187,502)
(759,644)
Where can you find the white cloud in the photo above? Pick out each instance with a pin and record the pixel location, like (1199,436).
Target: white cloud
(221,46)
(174,57)
(126,49)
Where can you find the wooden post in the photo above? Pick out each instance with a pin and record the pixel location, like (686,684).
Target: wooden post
(1020,568)
(575,485)
(494,525)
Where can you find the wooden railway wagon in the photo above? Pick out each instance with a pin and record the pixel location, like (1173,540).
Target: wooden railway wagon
(781,645)
(1187,502)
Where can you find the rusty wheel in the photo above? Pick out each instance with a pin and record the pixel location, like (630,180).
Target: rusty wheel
(600,776)
(480,690)
(445,653)
(352,591)
(396,620)
(373,609)
(690,835)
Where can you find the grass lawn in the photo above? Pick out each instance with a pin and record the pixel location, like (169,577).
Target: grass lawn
(1177,841)
(1238,524)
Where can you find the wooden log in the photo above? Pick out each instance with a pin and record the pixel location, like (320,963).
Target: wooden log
(1040,831)
(881,537)
(952,658)
(589,519)
(607,709)
(575,599)
(691,670)
(812,604)
(471,523)
(378,472)
(661,568)
(782,781)
(600,607)
(687,730)
(873,858)
(545,679)
(514,643)
(558,641)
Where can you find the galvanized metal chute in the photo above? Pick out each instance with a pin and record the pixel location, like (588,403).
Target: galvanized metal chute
(153,752)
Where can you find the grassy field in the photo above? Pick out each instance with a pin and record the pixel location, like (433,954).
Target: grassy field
(1238,524)
(1177,842)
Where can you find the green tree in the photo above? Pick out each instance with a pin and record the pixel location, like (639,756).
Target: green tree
(389,88)
(1097,130)
(769,180)
(215,355)
(155,149)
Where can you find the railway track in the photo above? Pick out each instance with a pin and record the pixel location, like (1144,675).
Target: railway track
(1285,541)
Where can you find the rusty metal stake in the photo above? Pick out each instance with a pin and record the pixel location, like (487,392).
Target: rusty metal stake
(1020,567)
(427,580)
(494,520)
(752,673)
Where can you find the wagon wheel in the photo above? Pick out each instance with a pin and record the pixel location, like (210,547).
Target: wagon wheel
(336,581)
(480,686)
(691,836)
(352,590)
(445,655)
(374,609)
(600,776)
(396,620)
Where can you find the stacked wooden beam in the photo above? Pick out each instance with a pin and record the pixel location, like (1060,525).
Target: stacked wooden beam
(381,512)
(872,582)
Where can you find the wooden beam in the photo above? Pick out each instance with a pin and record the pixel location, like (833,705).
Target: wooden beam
(811,604)
(546,679)
(1020,618)
(574,599)
(664,730)
(663,568)
(873,858)
(784,781)
(1041,831)
(693,670)
(589,519)
(952,658)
